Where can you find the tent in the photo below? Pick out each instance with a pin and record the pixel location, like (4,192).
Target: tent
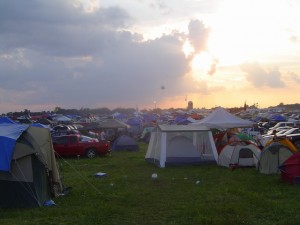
(111,123)
(6,119)
(290,169)
(63,119)
(125,142)
(146,134)
(222,119)
(284,141)
(239,154)
(272,157)
(113,127)
(28,172)
(181,144)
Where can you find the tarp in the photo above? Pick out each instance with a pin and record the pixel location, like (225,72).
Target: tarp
(221,119)
(9,134)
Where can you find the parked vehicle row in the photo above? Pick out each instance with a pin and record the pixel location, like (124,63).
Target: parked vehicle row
(292,133)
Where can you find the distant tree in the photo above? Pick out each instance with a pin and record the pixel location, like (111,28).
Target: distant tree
(57,108)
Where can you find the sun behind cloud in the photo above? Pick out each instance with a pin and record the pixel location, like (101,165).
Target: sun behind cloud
(249,30)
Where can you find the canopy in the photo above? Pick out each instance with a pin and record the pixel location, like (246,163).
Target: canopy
(221,119)
(112,123)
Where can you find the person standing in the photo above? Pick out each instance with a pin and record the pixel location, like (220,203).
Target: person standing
(102,135)
(259,139)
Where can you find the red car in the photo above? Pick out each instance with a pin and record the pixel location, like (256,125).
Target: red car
(75,144)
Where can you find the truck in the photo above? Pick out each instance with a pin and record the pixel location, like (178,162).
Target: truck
(80,145)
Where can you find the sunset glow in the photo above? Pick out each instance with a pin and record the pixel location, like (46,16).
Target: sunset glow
(120,53)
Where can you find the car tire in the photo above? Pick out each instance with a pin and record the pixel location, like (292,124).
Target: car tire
(91,153)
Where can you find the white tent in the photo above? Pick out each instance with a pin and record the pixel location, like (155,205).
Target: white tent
(222,119)
(239,154)
(181,144)
(62,118)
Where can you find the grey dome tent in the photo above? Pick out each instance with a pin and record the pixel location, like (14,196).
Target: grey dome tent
(239,154)
(125,142)
(28,172)
(272,157)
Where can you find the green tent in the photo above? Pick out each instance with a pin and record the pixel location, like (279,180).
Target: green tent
(29,176)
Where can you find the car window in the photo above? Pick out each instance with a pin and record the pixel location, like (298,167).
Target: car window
(73,139)
(62,140)
(295,131)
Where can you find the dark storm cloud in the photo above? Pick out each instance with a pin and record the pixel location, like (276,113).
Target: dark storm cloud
(52,52)
(57,27)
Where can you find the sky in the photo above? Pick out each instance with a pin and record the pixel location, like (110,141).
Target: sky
(144,54)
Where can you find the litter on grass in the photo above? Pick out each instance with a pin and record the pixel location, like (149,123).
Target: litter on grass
(154,176)
(100,174)
(49,203)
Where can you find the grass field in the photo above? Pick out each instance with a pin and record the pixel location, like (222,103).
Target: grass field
(181,195)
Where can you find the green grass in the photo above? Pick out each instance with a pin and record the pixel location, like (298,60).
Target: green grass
(128,195)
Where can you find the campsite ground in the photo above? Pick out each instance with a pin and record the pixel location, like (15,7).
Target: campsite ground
(180,195)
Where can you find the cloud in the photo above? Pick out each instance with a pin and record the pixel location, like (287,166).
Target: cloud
(260,77)
(213,67)
(198,35)
(294,39)
(53,53)
(295,77)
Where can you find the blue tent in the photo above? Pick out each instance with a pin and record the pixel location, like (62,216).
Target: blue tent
(278,118)
(28,172)
(9,134)
(5,119)
(134,121)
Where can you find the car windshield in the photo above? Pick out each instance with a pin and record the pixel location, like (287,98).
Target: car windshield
(86,139)
(292,131)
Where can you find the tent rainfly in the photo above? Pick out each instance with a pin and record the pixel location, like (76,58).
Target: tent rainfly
(181,144)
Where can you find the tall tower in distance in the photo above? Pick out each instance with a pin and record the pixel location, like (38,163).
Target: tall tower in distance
(190,105)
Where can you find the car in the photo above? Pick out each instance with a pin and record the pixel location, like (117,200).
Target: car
(84,138)
(295,139)
(279,130)
(79,145)
(294,130)
(283,124)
